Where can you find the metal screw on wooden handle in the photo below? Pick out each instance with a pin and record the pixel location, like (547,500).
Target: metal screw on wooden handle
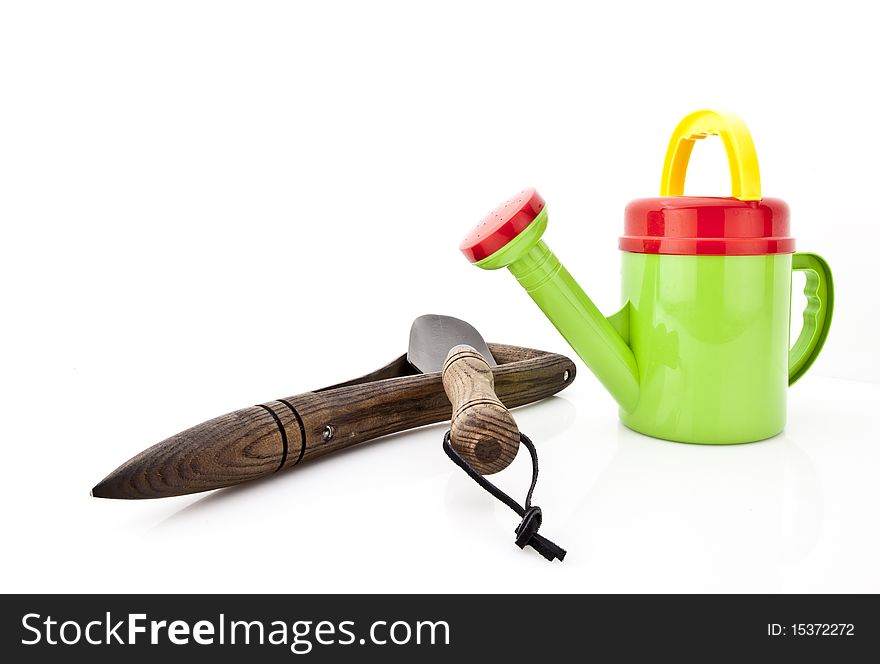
(483,431)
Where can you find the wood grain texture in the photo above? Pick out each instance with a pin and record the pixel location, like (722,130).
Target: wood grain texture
(226,450)
(259,440)
(482,430)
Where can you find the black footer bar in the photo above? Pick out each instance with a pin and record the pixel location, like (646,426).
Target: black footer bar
(133,628)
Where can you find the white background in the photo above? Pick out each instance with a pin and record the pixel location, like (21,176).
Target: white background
(210,205)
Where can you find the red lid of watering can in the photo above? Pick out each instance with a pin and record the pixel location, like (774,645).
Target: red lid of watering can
(743,225)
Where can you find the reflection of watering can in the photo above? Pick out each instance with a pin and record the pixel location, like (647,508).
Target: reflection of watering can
(699,352)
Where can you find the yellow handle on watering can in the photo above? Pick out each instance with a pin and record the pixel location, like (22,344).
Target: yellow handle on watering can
(745,178)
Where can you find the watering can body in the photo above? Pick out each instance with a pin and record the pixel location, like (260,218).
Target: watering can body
(699,351)
(710,336)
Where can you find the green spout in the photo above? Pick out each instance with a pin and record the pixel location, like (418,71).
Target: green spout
(595,339)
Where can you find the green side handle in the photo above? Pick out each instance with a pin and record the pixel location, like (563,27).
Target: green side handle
(817,316)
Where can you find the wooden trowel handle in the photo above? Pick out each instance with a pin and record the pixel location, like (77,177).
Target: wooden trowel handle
(483,431)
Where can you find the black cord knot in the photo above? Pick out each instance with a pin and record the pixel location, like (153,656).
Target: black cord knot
(528,527)
(527,530)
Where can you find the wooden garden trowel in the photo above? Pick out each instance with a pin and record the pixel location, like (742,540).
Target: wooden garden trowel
(483,437)
(482,431)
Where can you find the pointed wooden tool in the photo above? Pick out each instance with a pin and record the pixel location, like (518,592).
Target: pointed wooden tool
(260,440)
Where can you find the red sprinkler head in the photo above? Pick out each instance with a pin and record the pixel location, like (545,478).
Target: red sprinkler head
(502,224)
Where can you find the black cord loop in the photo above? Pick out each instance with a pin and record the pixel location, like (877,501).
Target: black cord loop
(527,530)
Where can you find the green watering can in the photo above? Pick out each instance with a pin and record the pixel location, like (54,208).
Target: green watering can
(700,351)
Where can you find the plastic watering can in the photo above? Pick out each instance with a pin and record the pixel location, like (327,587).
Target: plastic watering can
(700,351)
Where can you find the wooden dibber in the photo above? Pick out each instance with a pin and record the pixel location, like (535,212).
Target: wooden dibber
(260,440)
(482,431)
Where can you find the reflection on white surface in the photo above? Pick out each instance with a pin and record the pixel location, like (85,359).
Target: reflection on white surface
(794,513)
(727,502)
